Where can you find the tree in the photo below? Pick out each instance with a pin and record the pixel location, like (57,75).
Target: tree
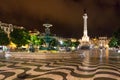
(113,42)
(75,44)
(20,37)
(34,40)
(4,40)
(117,36)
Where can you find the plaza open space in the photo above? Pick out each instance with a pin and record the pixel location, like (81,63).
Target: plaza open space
(93,65)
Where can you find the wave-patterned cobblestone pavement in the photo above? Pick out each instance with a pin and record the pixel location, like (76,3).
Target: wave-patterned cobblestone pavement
(88,68)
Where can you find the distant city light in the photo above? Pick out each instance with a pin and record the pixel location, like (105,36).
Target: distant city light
(61,42)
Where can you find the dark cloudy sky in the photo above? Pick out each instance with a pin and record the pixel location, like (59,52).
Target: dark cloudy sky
(65,15)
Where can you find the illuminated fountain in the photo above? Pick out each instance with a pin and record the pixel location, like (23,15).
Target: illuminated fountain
(48,38)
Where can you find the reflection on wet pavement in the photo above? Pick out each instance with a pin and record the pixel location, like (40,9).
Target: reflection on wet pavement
(95,65)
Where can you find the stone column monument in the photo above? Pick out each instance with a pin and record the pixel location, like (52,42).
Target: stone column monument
(85,37)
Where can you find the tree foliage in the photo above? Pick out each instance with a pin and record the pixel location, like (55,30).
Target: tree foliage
(20,37)
(115,40)
(4,40)
(117,36)
(75,44)
(35,40)
(67,43)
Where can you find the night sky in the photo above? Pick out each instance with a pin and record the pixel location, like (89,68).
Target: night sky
(65,15)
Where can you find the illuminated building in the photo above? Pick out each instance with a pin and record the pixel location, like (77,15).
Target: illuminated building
(103,42)
(8,28)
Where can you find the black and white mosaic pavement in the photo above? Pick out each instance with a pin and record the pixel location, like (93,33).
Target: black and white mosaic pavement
(92,66)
